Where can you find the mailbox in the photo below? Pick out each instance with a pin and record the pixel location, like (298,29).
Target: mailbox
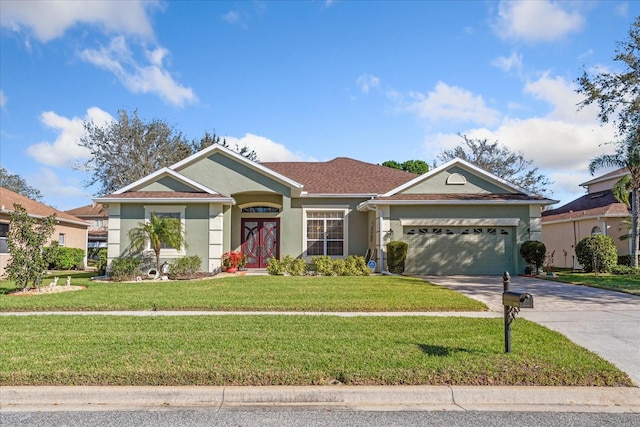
(517,299)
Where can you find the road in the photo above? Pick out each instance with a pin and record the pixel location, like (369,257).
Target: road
(312,417)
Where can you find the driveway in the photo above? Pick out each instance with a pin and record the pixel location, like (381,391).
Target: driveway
(605,322)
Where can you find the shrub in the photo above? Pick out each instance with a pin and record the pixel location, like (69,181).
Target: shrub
(598,248)
(322,265)
(275,267)
(61,258)
(624,270)
(624,260)
(101,266)
(339,267)
(297,267)
(396,256)
(357,266)
(124,268)
(534,253)
(184,267)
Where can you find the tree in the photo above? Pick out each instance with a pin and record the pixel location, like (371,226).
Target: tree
(128,149)
(617,95)
(17,184)
(500,161)
(627,155)
(25,240)
(414,166)
(534,253)
(158,231)
(209,139)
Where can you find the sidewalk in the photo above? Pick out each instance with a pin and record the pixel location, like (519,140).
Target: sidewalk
(380,398)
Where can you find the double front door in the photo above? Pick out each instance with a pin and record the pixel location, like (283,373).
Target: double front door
(260,240)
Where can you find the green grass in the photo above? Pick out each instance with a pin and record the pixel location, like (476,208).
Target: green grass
(250,293)
(629,284)
(290,350)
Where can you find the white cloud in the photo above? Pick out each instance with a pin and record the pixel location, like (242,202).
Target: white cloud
(561,143)
(3,99)
(532,21)
(48,20)
(64,152)
(512,63)
(366,82)
(266,149)
(140,78)
(452,103)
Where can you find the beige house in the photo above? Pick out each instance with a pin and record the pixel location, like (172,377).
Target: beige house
(70,231)
(97,216)
(597,212)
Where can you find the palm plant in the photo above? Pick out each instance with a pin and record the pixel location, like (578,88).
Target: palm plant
(627,155)
(158,231)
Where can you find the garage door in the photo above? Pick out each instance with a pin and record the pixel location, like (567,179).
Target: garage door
(459,250)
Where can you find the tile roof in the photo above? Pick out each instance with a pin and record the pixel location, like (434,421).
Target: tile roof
(8,198)
(600,203)
(342,175)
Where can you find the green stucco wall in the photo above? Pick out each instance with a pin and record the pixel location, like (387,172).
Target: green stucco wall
(437,184)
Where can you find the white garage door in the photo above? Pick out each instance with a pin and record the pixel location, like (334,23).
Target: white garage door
(459,250)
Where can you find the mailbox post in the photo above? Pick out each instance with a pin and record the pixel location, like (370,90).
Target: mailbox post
(512,302)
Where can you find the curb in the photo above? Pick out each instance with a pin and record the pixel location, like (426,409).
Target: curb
(387,398)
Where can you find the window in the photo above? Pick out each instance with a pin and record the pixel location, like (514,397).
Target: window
(98,223)
(261,209)
(177,212)
(325,231)
(596,230)
(4,231)
(61,238)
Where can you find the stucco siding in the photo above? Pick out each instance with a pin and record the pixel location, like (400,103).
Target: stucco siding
(437,184)
(227,176)
(167,183)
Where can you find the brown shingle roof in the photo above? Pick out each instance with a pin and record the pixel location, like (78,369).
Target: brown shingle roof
(95,210)
(8,198)
(342,175)
(464,197)
(601,203)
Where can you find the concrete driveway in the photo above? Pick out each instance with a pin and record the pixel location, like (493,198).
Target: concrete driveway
(605,322)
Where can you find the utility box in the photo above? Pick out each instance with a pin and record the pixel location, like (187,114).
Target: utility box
(517,299)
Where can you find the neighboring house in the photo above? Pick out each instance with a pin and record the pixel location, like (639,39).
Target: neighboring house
(97,216)
(597,212)
(457,218)
(70,231)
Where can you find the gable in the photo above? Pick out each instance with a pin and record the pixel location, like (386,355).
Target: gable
(456,180)
(228,176)
(167,183)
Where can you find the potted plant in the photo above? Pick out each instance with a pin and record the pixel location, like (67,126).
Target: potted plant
(231,261)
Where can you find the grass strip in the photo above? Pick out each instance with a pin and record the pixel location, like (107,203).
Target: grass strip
(290,350)
(629,284)
(252,293)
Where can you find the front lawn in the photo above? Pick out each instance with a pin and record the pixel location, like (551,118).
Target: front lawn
(629,284)
(250,293)
(290,350)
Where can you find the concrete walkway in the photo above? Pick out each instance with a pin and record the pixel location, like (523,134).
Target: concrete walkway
(605,322)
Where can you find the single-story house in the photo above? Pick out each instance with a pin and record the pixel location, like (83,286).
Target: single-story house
(457,218)
(597,212)
(70,231)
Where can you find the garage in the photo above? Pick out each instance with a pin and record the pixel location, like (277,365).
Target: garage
(467,249)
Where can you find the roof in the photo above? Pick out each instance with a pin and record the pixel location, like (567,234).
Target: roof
(342,175)
(94,210)
(164,196)
(8,198)
(462,196)
(618,173)
(600,203)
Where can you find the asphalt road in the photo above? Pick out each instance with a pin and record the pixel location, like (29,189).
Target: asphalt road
(312,417)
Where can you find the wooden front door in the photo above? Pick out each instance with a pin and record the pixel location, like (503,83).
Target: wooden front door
(260,240)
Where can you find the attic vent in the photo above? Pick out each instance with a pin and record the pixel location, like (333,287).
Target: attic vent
(456,179)
(597,195)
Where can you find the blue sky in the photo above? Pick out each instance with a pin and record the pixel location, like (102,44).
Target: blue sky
(307,80)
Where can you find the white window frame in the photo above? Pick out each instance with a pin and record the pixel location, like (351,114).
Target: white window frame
(167,209)
(345,227)
(62,239)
